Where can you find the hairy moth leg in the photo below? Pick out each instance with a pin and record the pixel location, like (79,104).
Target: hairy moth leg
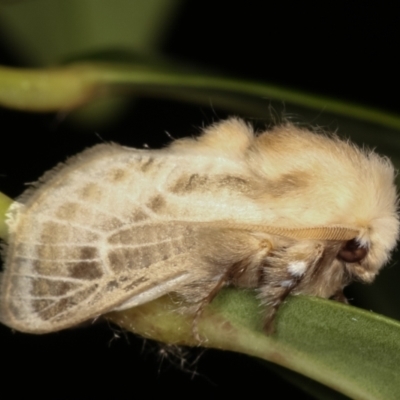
(231,275)
(283,271)
(223,281)
(239,259)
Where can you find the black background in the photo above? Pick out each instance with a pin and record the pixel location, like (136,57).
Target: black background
(344,50)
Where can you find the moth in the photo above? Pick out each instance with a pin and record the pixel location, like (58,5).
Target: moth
(286,211)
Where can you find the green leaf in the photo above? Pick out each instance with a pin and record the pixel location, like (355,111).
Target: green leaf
(348,349)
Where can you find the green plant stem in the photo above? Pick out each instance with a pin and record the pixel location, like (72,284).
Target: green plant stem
(65,88)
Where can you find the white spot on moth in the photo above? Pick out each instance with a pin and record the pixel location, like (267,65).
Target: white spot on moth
(297,268)
(116,227)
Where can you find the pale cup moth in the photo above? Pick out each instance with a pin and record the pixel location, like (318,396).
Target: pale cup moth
(287,211)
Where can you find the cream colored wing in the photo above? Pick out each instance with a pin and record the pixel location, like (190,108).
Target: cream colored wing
(99,233)
(60,280)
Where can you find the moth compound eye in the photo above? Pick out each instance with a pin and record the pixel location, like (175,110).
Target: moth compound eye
(352,252)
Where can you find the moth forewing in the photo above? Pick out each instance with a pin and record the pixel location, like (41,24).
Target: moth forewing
(287,211)
(109,229)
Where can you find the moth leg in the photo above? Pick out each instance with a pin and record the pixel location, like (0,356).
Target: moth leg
(280,295)
(283,271)
(233,257)
(233,273)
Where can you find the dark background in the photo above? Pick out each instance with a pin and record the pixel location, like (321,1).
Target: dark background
(345,51)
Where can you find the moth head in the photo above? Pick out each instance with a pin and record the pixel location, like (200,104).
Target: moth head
(367,253)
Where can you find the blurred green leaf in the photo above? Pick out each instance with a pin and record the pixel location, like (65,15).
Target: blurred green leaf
(44,32)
